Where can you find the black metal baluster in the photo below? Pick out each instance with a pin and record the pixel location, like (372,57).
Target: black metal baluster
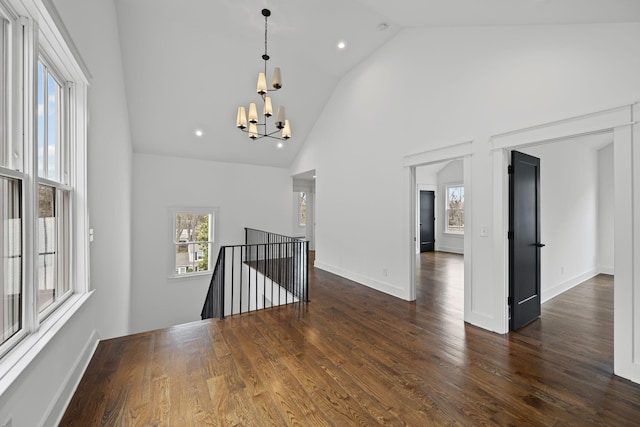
(307,266)
(233,262)
(222,285)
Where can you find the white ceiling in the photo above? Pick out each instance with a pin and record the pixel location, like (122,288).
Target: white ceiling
(190,64)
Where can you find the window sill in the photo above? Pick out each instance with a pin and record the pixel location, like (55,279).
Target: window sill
(20,357)
(450,234)
(185,276)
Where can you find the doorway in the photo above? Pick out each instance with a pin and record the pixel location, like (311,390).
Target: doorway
(304,207)
(620,122)
(576,212)
(439,231)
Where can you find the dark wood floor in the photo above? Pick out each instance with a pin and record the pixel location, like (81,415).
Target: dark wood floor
(354,356)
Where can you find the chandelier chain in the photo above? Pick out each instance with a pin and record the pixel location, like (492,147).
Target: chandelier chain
(265,38)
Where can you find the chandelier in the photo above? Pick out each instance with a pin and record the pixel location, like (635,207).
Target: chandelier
(256,129)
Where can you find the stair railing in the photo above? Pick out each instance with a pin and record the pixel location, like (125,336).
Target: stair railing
(267,271)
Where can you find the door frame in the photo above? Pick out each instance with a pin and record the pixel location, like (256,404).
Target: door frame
(439,155)
(425,187)
(626,146)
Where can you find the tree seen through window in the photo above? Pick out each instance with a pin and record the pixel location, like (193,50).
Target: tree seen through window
(455,209)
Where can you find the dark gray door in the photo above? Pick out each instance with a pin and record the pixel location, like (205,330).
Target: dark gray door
(427,221)
(524,240)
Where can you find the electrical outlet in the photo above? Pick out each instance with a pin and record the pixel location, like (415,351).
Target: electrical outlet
(384,272)
(561,271)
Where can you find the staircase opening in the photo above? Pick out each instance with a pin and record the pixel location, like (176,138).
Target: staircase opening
(267,271)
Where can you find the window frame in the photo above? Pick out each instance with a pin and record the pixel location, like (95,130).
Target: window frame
(11,166)
(63,192)
(21,332)
(5,92)
(213,213)
(446,209)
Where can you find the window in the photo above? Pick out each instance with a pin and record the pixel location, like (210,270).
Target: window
(455,209)
(302,209)
(193,235)
(53,194)
(43,212)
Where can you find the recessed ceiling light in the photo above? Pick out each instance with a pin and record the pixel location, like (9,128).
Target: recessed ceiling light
(198,133)
(341,45)
(280,145)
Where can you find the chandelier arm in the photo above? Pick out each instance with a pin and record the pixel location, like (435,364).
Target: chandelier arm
(273,137)
(266,135)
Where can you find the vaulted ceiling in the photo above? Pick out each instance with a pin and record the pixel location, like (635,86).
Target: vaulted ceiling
(189,64)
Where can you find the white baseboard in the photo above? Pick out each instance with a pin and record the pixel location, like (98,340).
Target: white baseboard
(450,250)
(67,390)
(387,288)
(605,270)
(568,284)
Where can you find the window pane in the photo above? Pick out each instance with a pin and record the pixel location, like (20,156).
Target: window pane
(191,258)
(182,259)
(192,228)
(302,209)
(11,254)
(202,258)
(193,236)
(202,228)
(47,246)
(455,209)
(53,127)
(41,120)
(49,128)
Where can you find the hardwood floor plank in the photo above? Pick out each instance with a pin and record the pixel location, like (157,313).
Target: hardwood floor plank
(355,356)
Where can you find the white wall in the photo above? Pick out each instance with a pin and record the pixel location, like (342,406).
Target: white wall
(569,215)
(93,27)
(311,217)
(605,210)
(454,85)
(246,196)
(40,394)
(452,173)
(427,175)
